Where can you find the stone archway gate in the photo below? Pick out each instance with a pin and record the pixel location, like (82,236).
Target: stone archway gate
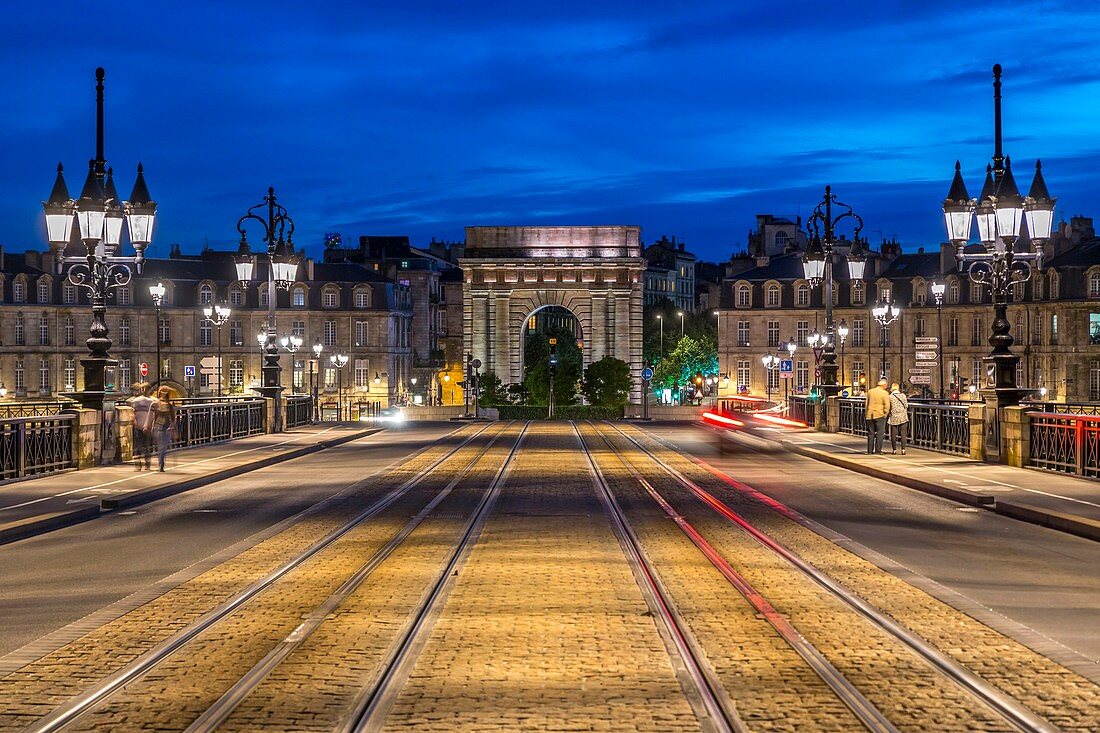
(511,272)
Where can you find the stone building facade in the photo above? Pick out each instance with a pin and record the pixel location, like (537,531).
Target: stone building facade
(669,274)
(348,307)
(513,272)
(1055,319)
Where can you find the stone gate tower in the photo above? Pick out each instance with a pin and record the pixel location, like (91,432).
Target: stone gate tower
(512,272)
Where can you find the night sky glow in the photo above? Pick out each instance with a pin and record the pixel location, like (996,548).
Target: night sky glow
(421,118)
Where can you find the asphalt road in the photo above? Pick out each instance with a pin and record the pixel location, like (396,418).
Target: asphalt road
(1040,585)
(56,578)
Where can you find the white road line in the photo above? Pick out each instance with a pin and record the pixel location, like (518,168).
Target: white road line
(173,468)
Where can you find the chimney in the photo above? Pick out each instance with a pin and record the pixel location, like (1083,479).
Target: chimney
(309,269)
(33,258)
(947,258)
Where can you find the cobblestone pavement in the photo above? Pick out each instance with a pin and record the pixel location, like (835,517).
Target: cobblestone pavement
(37,688)
(546,628)
(1063,697)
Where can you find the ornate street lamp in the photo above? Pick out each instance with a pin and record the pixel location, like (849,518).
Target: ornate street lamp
(999,262)
(885,314)
(817,266)
(842,334)
(771,363)
(317,349)
(291,344)
(218,316)
(282,268)
(99,218)
(339,361)
(156,292)
(938,289)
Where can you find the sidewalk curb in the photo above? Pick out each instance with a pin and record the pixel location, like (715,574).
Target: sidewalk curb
(43,523)
(1071,524)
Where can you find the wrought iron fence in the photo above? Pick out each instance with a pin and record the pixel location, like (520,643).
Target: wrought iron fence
(32,446)
(943,428)
(214,422)
(852,416)
(802,408)
(1066,443)
(1067,408)
(299,411)
(32,409)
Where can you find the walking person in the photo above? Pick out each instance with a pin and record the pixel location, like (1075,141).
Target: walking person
(164,416)
(898,419)
(878,407)
(143,425)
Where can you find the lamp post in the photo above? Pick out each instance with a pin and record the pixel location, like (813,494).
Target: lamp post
(339,361)
(842,334)
(282,268)
(217,315)
(771,363)
(412,381)
(156,292)
(661,321)
(447,381)
(99,215)
(681,314)
(885,313)
(817,265)
(1000,210)
(791,347)
(938,289)
(292,344)
(317,349)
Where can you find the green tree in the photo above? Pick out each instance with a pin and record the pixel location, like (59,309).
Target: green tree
(536,367)
(701,326)
(690,358)
(607,382)
(492,392)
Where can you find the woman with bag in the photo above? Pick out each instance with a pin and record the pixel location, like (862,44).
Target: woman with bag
(898,420)
(164,417)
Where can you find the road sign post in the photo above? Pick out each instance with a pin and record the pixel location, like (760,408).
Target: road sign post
(144,369)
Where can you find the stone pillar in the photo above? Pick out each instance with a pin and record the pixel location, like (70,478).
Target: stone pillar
(831,408)
(269,414)
(1015,436)
(87,437)
(977,432)
(124,430)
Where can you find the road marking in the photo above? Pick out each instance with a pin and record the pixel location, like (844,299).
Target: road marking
(173,468)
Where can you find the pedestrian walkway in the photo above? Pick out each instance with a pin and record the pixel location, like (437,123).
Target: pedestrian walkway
(1051,499)
(48,502)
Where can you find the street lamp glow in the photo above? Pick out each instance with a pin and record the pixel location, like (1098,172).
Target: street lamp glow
(156,292)
(938,290)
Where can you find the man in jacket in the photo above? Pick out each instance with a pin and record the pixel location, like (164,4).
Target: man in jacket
(878,407)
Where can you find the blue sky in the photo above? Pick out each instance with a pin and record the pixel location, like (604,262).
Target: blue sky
(420,118)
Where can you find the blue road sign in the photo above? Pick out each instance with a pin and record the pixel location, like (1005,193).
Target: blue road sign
(189,370)
(647,373)
(786,368)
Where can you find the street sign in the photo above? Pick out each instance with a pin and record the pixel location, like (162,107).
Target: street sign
(926,340)
(920,371)
(143,368)
(647,373)
(920,379)
(817,371)
(786,368)
(926,355)
(928,364)
(208,364)
(189,370)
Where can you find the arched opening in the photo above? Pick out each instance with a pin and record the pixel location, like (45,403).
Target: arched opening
(551,347)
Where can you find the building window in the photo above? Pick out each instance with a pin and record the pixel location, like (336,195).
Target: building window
(1037,287)
(1037,332)
(976,372)
(859,293)
(20,335)
(919,330)
(884,295)
(744,296)
(205,333)
(743,333)
(236,373)
(70,375)
(361,333)
(330,377)
(328,298)
(859,332)
(18,292)
(953,292)
(1054,329)
(330,333)
(298,297)
(236,333)
(773,334)
(976,332)
(953,332)
(124,373)
(773,380)
(802,331)
(298,375)
(263,295)
(744,374)
(1055,284)
(884,336)
(857,371)
(70,331)
(362,373)
(166,368)
(43,330)
(362,298)
(298,328)
(43,291)
(44,376)
(122,295)
(20,377)
(802,295)
(68,294)
(123,331)
(206,294)
(1094,328)
(975,292)
(164,331)
(773,296)
(801,376)
(1094,382)
(1094,285)
(921,295)
(235,296)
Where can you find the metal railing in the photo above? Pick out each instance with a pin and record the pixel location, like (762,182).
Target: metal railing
(802,408)
(852,416)
(214,422)
(33,446)
(32,409)
(299,411)
(1066,443)
(1066,408)
(944,428)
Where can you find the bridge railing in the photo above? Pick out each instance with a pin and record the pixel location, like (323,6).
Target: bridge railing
(33,446)
(1064,442)
(299,411)
(215,422)
(944,428)
(32,409)
(802,408)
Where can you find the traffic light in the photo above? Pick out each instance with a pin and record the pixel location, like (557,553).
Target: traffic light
(963,383)
(553,355)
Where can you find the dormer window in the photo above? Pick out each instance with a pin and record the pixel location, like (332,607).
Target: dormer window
(19,292)
(362,298)
(329,297)
(43,291)
(298,297)
(206,294)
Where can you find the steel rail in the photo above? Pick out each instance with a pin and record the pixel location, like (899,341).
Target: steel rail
(871,717)
(83,703)
(223,707)
(1018,716)
(715,710)
(373,702)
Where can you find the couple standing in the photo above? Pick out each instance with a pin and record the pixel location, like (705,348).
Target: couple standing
(153,421)
(886,408)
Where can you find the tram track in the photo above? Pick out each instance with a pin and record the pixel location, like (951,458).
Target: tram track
(79,706)
(1011,712)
